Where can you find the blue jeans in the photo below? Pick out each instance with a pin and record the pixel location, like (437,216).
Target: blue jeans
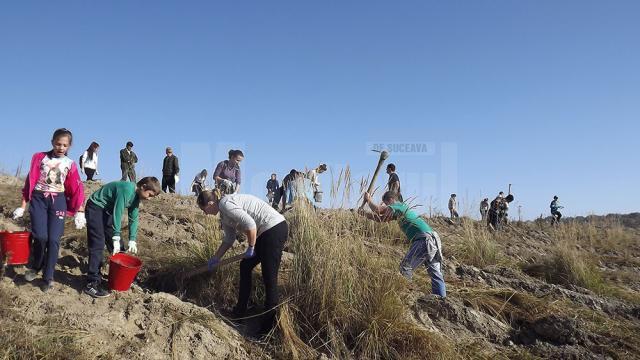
(47,226)
(290,193)
(425,251)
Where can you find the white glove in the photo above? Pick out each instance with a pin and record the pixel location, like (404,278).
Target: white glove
(133,247)
(116,244)
(176,178)
(18,213)
(80,220)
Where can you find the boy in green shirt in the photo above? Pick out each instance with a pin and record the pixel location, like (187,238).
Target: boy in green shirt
(425,248)
(104,212)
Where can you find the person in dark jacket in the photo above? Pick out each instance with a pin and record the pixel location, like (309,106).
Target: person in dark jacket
(555,213)
(394,181)
(170,169)
(128,160)
(272,188)
(281,193)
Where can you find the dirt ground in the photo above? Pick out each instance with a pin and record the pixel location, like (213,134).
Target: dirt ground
(494,311)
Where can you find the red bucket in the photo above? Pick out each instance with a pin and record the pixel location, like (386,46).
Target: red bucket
(16,246)
(123,269)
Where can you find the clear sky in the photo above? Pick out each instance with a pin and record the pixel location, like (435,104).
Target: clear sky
(541,94)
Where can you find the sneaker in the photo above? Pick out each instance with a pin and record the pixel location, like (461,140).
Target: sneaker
(48,285)
(93,289)
(30,275)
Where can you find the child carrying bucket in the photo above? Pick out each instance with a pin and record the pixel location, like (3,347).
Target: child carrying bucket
(104,220)
(53,189)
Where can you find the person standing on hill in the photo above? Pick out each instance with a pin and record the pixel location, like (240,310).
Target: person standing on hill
(105,208)
(484,209)
(199,183)
(312,175)
(128,160)
(554,210)
(266,231)
(170,170)
(228,173)
(493,221)
(425,248)
(272,188)
(53,189)
(89,161)
(285,187)
(453,207)
(394,181)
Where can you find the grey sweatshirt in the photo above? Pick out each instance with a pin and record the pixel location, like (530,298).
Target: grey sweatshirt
(242,212)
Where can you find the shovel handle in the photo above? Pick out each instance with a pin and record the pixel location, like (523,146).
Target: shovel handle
(205,268)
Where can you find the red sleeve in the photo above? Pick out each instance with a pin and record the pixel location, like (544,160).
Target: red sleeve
(74,190)
(26,190)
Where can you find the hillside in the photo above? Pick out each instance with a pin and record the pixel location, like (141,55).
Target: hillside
(529,292)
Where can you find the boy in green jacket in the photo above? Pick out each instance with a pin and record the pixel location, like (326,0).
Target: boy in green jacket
(104,212)
(425,248)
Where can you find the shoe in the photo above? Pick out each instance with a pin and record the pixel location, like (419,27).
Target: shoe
(93,289)
(30,275)
(48,285)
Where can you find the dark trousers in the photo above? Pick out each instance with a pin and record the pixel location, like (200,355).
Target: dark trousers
(47,226)
(454,213)
(277,196)
(268,252)
(169,183)
(494,219)
(557,215)
(128,172)
(90,173)
(99,234)
(197,188)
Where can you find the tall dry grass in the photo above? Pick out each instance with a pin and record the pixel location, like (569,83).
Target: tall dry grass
(477,246)
(341,291)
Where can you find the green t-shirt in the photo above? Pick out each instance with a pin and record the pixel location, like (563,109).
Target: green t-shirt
(413,226)
(115,197)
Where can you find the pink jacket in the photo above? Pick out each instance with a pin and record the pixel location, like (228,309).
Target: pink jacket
(73,188)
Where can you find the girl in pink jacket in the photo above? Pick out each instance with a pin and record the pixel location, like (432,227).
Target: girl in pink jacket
(53,190)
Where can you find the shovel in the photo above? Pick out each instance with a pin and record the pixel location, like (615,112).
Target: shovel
(205,268)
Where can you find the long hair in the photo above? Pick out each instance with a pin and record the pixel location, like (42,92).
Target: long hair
(92,149)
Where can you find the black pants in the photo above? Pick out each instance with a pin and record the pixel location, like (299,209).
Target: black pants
(277,196)
(494,219)
(557,215)
(99,234)
(90,173)
(169,183)
(268,252)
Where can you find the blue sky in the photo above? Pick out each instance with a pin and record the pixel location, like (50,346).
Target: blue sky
(541,94)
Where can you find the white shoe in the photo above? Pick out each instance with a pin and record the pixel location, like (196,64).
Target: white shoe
(30,275)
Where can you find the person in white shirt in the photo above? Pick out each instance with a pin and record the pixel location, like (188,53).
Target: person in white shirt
(199,183)
(89,161)
(312,176)
(266,231)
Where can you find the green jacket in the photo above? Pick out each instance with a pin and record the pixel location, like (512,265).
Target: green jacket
(413,226)
(114,197)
